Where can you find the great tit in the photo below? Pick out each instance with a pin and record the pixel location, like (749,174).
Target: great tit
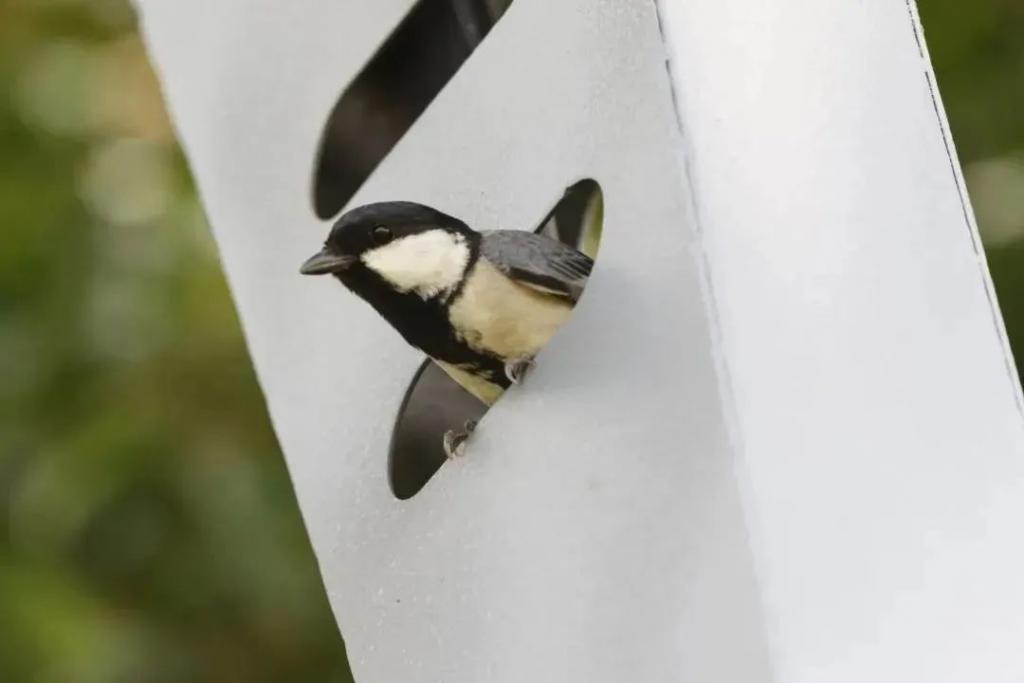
(480,304)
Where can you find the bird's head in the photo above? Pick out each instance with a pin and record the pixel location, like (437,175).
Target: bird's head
(407,247)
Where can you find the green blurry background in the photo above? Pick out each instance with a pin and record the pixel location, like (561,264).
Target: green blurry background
(148,531)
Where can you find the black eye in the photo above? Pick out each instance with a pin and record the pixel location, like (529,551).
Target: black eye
(382,234)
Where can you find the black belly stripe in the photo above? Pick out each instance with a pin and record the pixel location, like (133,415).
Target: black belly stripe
(424,323)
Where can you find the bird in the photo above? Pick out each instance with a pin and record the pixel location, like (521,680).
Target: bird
(479,304)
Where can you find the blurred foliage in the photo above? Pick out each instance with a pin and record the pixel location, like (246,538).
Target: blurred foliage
(148,530)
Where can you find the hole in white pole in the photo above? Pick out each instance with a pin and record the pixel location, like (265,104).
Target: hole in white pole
(395,87)
(435,403)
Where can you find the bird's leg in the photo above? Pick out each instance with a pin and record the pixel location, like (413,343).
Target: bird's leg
(455,441)
(516,369)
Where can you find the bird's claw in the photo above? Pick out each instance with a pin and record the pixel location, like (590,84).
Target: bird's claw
(516,369)
(455,440)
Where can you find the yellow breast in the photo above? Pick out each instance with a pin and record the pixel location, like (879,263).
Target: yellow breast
(496,315)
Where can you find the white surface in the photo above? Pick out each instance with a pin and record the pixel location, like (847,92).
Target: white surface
(883,466)
(603,528)
(594,533)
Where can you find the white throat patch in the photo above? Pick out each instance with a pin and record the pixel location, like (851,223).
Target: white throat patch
(428,263)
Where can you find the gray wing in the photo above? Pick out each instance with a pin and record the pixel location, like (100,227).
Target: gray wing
(538,261)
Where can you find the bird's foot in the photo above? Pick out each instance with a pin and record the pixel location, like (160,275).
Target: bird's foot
(455,440)
(516,369)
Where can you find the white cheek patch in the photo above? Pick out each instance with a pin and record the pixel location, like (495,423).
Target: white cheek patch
(428,263)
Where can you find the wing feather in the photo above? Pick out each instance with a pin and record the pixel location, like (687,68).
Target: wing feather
(538,261)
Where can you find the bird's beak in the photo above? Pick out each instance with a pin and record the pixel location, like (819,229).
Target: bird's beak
(324,262)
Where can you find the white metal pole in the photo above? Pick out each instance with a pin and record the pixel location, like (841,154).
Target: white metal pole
(779,440)
(877,404)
